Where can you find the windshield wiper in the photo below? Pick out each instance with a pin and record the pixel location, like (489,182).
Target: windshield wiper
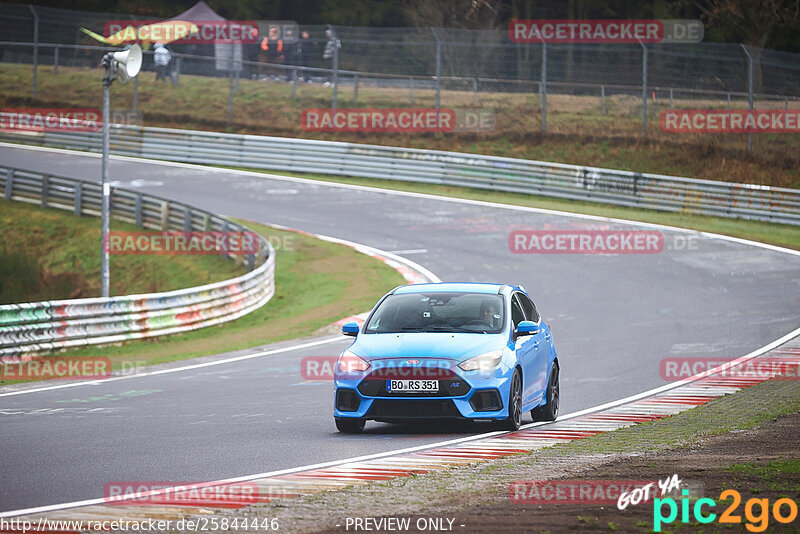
(445,328)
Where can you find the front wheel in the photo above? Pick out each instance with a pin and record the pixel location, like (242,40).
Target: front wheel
(349,425)
(549,412)
(514,404)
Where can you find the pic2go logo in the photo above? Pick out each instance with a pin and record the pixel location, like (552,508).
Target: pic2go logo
(756,511)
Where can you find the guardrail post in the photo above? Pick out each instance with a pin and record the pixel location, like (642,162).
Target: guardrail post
(137,210)
(164,216)
(35,46)
(78,192)
(355,89)
(45,189)
(9,183)
(187,219)
(262,251)
(55,61)
(206,222)
(644,89)
(603,99)
(636,177)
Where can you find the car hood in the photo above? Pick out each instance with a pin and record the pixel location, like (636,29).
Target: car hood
(451,346)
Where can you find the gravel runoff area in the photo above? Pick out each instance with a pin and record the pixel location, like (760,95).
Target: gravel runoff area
(746,441)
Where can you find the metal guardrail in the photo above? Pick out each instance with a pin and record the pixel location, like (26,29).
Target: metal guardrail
(37,327)
(623,188)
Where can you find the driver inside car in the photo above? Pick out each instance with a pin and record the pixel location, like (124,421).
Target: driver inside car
(490,314)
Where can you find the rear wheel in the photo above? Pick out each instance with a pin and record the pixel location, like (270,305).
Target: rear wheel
(514,404)
(549,412)
(349,425)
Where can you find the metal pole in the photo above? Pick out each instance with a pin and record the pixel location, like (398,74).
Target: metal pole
(475,91)
(750,93)
(230,97)
(136,93)
(438,71)
(603,99)
(355,89)
(294,83)
(411,91)
(55,61)
(670,98)
(543,87)
(644,89)
(106,189)
(335,66)
(35,46)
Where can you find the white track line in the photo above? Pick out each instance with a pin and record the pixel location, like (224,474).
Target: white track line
(316,343)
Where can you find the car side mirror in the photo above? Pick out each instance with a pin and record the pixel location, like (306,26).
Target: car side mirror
(526,328)
(350,329)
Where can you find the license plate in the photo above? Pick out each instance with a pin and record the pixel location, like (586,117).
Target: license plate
(412,385)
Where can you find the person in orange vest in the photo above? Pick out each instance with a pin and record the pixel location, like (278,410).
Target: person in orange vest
(272,50)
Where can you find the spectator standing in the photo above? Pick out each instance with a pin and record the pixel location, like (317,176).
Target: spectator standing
(308,49)
(162,59)
(273,48)
(292,49)
(327,54)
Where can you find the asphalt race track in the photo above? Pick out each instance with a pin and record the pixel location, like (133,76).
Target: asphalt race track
(614,318)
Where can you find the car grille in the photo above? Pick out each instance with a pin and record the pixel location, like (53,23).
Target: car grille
(412,409)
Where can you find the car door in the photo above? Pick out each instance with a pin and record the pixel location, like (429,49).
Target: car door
(538,356)
(525,347)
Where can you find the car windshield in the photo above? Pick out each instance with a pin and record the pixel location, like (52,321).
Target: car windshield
(439,312)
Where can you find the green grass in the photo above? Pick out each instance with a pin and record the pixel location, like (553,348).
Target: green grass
(578,132)
(777,234)
(49,254)
(317,283)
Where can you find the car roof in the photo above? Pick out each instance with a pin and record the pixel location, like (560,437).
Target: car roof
(454,287)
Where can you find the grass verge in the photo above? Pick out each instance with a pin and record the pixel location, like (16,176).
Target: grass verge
(50,254)
(317,282)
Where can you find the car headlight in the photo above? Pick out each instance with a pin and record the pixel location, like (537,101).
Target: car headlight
(351,363)
(484,362)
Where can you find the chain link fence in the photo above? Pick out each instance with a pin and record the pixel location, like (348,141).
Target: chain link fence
(587,89)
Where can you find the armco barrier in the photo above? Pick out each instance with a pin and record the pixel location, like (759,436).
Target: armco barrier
(653,191)
(37,327)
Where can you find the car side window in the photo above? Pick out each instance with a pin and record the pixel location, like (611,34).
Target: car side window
(530,308)
(517,314)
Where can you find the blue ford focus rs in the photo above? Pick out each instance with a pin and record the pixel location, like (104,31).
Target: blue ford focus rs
(448,351)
